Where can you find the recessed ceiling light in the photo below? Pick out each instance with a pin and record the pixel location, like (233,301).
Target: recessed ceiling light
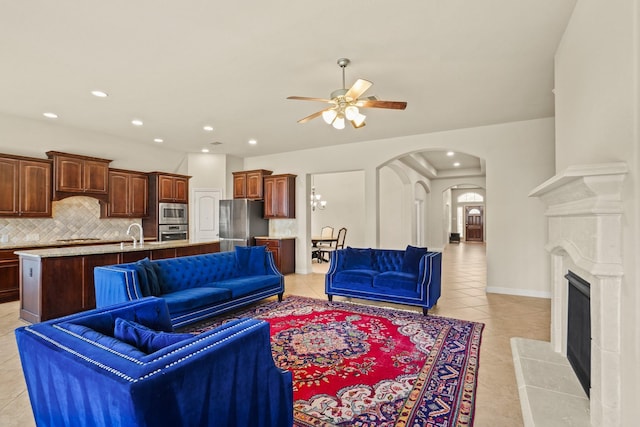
(99,93)
(253,142)
(208,128)
(136,122)
(450,153)
(205,150)
(50,115)
(456,164)
(158,140)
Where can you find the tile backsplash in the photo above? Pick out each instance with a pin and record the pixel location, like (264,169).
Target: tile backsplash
(75,217)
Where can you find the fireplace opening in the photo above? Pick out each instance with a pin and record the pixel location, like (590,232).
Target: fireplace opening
(579,329)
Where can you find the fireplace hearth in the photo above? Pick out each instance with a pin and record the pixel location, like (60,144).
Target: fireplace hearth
(579,328)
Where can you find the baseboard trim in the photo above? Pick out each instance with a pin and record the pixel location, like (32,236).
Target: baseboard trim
(519,292)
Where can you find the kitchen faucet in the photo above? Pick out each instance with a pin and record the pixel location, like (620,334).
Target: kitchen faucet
(133,237)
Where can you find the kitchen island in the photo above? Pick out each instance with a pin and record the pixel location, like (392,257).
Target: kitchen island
(56,282)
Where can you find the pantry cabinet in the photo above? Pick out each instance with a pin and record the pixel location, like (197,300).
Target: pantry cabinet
(173,188)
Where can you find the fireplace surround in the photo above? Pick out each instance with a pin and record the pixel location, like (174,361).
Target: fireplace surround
(584,224)
(579,328)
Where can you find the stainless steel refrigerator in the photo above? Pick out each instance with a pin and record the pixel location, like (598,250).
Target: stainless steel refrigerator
(241,220)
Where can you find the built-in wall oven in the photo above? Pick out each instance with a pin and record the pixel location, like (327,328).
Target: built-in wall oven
(172,213)
(170,232)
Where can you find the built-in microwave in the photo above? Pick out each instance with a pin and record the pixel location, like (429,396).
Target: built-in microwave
(172,213)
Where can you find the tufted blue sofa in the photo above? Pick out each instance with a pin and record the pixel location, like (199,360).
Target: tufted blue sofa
(194,287)
(410,276)
(78,374)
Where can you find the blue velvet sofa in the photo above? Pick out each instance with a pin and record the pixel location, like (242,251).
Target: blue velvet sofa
(80,371)
(194,287)
(410,276)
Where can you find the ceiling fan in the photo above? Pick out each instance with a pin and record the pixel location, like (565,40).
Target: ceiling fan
(346,104)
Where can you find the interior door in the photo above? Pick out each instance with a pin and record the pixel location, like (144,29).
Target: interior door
(474,223)
(206,203)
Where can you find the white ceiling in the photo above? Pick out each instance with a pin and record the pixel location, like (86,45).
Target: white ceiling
(179,65)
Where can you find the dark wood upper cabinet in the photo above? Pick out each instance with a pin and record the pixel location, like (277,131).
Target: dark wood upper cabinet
(249,184)
(76,175)
(280,196)
(25,187)
(128,195)
(173,188)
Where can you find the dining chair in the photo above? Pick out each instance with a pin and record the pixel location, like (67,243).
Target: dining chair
(326,233)
(339,244)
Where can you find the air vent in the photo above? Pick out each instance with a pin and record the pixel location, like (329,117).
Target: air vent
(216,143)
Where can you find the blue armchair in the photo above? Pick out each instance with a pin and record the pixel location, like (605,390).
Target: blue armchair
(79,374)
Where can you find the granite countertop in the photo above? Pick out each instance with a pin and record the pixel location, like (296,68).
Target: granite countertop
(105,248)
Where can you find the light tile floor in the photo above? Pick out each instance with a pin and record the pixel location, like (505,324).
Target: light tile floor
(463,297)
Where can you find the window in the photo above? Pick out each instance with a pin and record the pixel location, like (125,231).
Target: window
(470,197)
(474,211)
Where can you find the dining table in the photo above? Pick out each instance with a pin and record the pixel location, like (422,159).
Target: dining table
(315,250)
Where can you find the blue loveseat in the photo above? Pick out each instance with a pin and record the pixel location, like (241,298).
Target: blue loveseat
(80,372)
(409,277)
(194,287)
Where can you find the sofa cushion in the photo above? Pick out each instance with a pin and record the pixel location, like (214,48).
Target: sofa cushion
(400,283)
(358,258)
(241,286)
(102,340)
(361,277)
(411,259)
(192,298)
(144,338)
(251,259)
(147,277)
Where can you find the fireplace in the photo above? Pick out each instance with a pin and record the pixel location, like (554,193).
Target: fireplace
(584,221)
(579,328)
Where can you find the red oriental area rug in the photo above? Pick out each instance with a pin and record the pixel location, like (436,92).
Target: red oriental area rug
(358,365)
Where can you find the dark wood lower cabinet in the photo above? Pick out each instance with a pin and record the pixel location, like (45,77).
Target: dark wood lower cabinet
(61,285)
(9,276)
(284,252)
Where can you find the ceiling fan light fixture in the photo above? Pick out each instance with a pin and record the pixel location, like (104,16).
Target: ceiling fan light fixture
(329,116)
(338,123)
(358,121)
(351,112)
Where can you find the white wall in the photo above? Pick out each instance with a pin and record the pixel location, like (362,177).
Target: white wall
(597,98)
(518,157)
(344,193)
(33,138)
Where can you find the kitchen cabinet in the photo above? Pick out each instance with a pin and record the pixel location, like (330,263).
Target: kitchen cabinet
(173,189)
(280,196)
(249,184)
(128,195)
(75,175)
(9,271)
(25,187)
(56,282)
(283,250)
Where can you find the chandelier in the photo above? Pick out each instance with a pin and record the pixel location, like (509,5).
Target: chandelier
(316,200)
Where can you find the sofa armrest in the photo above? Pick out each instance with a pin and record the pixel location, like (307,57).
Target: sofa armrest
(429,276)
(114,285)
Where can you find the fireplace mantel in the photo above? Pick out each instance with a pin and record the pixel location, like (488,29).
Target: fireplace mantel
(584,219)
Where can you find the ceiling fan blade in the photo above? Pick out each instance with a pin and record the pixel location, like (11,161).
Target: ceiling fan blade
(312,116)
(356,126)
(358,88)
(393,105)
(305,98)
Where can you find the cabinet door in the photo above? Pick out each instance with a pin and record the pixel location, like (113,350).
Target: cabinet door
(165,188)
(96,177)
(69,175)
(139,195)
(9,279)
(35,188)
(254,185)
(270,195)
(239,185)
(9,187)
(180,190)
(118,194)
